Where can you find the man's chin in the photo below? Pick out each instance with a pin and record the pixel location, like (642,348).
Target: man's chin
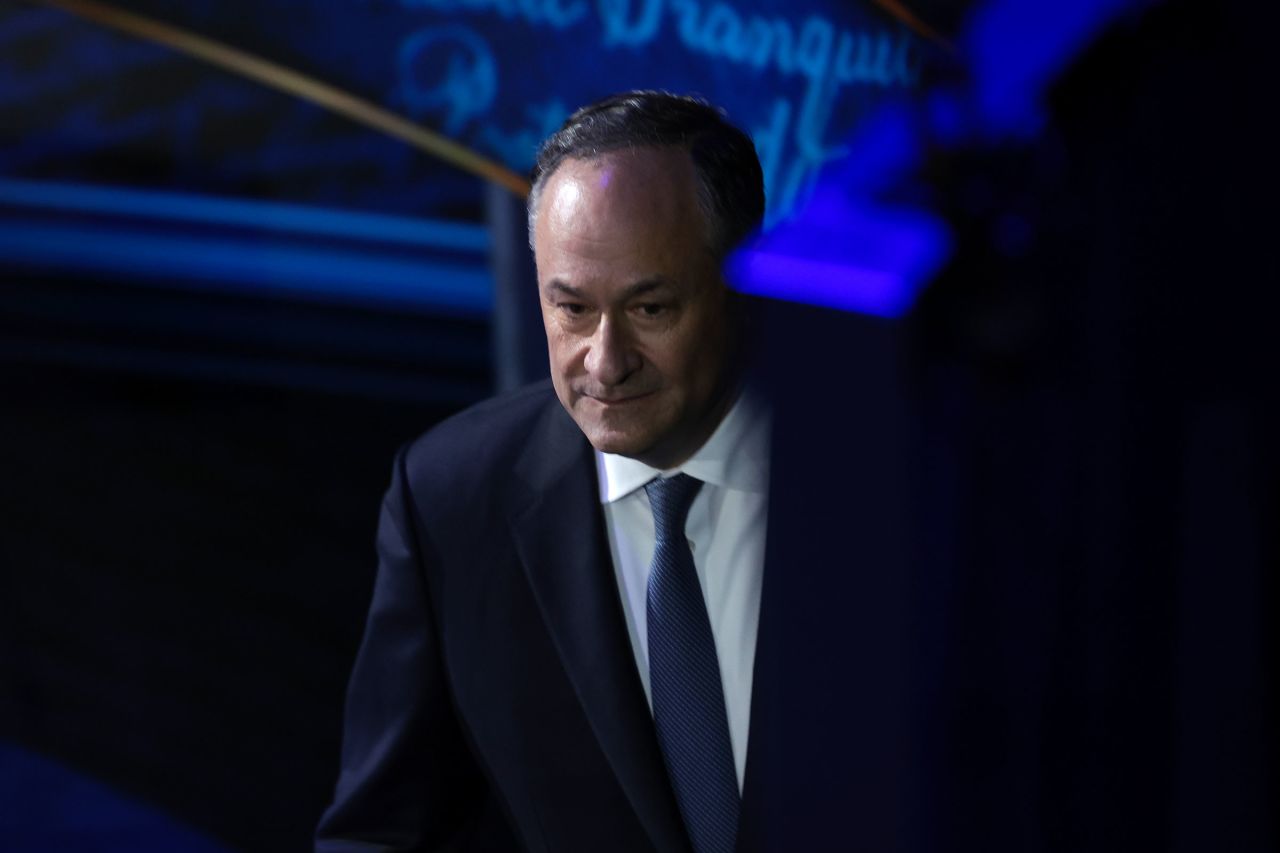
(616,443)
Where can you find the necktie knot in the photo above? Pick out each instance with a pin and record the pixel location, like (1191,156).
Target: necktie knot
(670,499)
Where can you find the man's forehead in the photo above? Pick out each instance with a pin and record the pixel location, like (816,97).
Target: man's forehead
(625,176)
(621,201)
(621,217)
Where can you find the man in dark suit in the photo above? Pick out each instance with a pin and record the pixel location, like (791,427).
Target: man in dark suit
(560,649)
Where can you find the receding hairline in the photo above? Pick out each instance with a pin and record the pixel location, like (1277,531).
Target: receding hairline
(701,192)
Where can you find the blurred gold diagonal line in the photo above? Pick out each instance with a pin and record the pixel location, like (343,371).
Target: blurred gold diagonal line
(344,103)
(294,83)
(913,22)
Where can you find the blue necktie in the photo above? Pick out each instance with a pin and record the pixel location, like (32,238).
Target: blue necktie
(684,677)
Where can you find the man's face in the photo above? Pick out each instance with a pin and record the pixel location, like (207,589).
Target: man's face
(635,309)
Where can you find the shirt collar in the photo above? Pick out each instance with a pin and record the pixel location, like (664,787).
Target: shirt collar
(736,456)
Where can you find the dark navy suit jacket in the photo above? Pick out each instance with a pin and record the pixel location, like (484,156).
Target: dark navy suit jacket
(962,647)
(495,703)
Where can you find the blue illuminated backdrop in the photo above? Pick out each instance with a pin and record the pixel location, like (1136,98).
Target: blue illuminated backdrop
(831,92)
(855,244)
(80,105)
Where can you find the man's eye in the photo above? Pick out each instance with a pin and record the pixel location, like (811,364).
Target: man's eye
(574,308)
(652,309)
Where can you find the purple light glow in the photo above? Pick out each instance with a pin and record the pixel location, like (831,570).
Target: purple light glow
(846,248)
(850,248)
(895,253)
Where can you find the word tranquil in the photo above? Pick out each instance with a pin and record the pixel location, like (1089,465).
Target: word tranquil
(450,71)
(815,48)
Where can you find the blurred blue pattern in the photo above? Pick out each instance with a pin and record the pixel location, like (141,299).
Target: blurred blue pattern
(49,808)
(1015,50)
(81,103)
(265,216)
(180,240)
(271,268)
(855,244)
(495,75)
(80,106)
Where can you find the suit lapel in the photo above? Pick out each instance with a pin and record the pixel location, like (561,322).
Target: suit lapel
(560,536)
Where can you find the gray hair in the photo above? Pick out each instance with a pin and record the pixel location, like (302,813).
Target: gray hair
(730,181)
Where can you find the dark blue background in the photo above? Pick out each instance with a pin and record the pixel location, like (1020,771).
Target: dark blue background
(222,309)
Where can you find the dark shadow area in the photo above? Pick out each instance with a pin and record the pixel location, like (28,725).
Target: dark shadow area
(1030,534)
(186,560)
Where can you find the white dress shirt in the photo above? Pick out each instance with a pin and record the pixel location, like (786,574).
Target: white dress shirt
(726,532)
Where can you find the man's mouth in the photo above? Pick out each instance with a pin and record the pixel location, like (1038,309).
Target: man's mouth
(617,399)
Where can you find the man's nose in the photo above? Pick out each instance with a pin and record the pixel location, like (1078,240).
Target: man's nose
(611,357)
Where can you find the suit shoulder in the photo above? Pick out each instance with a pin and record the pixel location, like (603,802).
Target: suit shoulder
(481,441)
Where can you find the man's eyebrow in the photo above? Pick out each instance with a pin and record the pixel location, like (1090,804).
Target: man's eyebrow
(631,291)
(560,287)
